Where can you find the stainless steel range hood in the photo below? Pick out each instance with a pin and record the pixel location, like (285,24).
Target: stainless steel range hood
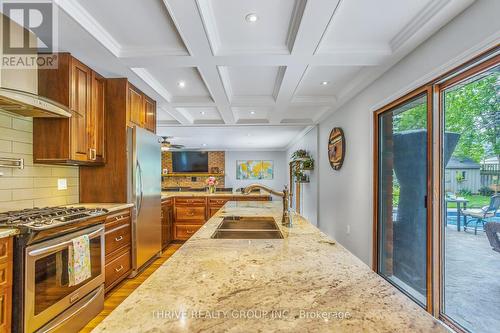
(30,105)
(19,86)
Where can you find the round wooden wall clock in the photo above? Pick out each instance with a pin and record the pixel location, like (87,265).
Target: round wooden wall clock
(336,148)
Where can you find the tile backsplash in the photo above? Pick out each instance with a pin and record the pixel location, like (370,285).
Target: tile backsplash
(35,185)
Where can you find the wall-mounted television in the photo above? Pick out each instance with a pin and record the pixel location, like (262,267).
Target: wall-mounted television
(189,161)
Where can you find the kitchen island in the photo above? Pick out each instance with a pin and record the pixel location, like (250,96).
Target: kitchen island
(304,282)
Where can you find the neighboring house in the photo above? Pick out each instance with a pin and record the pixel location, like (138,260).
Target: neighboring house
(462,174)
(490,171)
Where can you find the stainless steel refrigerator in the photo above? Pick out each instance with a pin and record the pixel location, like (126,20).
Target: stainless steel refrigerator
(144,190)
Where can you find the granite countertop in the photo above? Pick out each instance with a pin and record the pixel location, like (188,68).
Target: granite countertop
(172,194)
(4,233)
(302,283)
(111,207)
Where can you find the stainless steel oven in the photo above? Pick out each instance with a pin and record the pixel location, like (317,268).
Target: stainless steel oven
(50,303)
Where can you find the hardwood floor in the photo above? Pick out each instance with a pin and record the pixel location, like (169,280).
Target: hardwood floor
(126,287)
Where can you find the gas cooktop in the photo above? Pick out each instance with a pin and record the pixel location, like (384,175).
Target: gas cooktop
(48,217)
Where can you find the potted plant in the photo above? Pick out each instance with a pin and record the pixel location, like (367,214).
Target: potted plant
(211,183)
(299,154)
(308,164)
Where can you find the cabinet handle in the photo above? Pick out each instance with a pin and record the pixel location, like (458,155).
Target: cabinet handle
(189,232)
(93,154)
(118,238)
(119,268)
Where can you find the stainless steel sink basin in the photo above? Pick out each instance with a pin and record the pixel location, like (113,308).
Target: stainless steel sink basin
(254,223)
(239,227)
(247,234)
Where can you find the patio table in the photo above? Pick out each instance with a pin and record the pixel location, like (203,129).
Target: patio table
(459,202)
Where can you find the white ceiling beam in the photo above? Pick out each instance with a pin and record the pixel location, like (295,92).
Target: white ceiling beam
(187,19)
(315,20)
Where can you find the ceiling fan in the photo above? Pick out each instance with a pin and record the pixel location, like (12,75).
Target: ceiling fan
(166,145)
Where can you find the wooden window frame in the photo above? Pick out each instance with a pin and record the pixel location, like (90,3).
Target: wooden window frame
(435,180)
(427,91)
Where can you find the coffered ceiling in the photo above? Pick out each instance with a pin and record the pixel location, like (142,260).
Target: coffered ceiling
(248,62)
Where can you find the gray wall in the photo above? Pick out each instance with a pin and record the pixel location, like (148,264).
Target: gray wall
(309,192)
(280,167)
(346,195)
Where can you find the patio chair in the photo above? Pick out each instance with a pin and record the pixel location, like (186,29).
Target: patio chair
(479,214)
(492,230)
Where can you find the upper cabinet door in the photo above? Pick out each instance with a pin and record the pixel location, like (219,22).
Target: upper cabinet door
(81,78)
(150,114)
(136,106)
(96,119)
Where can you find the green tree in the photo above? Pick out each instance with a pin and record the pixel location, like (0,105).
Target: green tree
(472,109)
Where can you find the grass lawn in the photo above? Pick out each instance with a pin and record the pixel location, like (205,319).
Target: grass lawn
(475,201)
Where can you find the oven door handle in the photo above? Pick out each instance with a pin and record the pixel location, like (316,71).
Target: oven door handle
(48,249)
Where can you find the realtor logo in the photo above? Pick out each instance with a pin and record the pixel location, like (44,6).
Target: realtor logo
(28,33)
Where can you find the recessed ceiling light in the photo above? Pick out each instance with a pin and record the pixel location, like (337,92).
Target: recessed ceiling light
(248,134)
(181,84)
(252,112)
(251,18)
(202,113)
(324,83)
(204,144)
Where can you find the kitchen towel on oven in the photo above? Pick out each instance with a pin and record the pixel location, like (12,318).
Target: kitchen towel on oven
(79,268)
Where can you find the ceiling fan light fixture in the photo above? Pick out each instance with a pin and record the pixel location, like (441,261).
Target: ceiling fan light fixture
(251,18)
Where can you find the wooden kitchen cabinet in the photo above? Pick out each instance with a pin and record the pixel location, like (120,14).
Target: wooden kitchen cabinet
(6,262)
(79,139)
(117,247)
(141,109)
(190,213)
(150,114)
(167,222)
(214,204)
(136,106)
(124,108)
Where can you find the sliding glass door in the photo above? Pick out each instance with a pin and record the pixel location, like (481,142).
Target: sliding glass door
(470,105)
(402,195)
(437,195)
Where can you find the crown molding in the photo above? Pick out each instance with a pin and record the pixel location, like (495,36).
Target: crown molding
(83,17)
(417,23)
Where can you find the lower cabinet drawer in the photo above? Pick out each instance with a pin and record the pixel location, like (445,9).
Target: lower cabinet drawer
(184,231)
(5,309)
(117,238)
(117,269)
(191,214)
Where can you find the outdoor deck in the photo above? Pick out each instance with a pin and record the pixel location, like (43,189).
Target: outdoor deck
(472,280)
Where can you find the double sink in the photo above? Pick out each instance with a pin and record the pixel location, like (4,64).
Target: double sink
(247,227)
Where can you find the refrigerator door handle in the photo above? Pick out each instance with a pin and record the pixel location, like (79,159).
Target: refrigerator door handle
(141,187)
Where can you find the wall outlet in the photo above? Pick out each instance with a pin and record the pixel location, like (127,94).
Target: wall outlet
(62,184)
(348,229)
